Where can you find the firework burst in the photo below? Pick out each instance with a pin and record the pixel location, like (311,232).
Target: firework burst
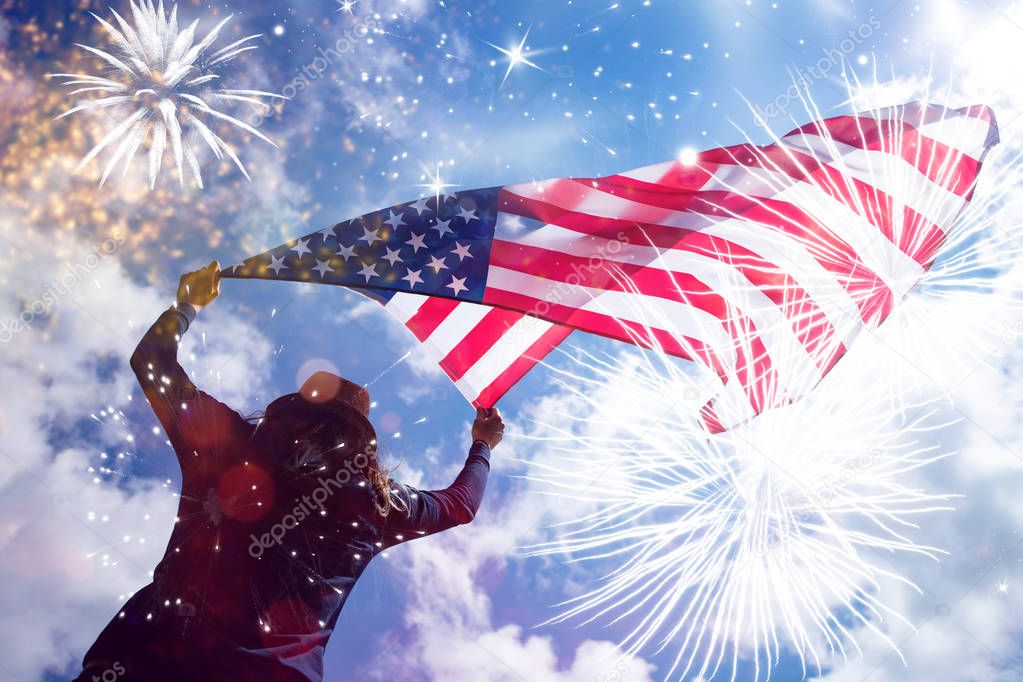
(777,534)
(161,87)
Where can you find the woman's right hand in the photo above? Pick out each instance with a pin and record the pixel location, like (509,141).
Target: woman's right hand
(488,427)
(199,288)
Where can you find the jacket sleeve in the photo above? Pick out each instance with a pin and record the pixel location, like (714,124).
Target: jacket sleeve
(195,422)
(431,511)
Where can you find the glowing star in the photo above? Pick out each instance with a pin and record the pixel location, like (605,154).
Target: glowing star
(160,84)
(347,6)
(437,186)
(515,56)
(688,156)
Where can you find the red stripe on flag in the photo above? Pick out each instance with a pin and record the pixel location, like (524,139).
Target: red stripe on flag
(808,321)
(478,341)
(951,168)
(536,352)
(433,311)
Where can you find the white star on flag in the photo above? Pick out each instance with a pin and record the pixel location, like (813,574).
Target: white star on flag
(370,236)
(420,206)
(369,270)
(392,256)
(413,278)
(457,285)
(322,267)
(461,251)
(396,220)
(346,252)
(442,227)
(437,264)
(301,248)
(277,264)
(416,242)
(466,215)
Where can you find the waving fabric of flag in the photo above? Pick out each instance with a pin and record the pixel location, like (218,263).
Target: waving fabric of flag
(762,263)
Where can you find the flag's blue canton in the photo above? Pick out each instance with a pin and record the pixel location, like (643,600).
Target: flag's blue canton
(409,247)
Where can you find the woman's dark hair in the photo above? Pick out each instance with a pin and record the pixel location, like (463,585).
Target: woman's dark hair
(309,435)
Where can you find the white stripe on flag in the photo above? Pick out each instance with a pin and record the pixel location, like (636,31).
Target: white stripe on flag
(512,344)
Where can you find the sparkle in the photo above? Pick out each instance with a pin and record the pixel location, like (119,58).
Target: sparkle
(687,156)
(437,186)
(515,56)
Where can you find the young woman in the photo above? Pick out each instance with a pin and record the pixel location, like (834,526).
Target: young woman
(278,517)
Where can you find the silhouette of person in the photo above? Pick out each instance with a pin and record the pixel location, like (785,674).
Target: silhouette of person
(278,517)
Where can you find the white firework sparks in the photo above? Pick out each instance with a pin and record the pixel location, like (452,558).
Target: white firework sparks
(774,535)
(160,85)
(778,534)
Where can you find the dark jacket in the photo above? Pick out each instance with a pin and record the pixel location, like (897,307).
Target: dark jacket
(262,556)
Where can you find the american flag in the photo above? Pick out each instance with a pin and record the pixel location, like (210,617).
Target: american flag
(763,263)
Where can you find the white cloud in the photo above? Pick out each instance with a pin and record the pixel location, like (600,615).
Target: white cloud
(73,548)
(449,604)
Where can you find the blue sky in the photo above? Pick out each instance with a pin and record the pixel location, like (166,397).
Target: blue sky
(422,91)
